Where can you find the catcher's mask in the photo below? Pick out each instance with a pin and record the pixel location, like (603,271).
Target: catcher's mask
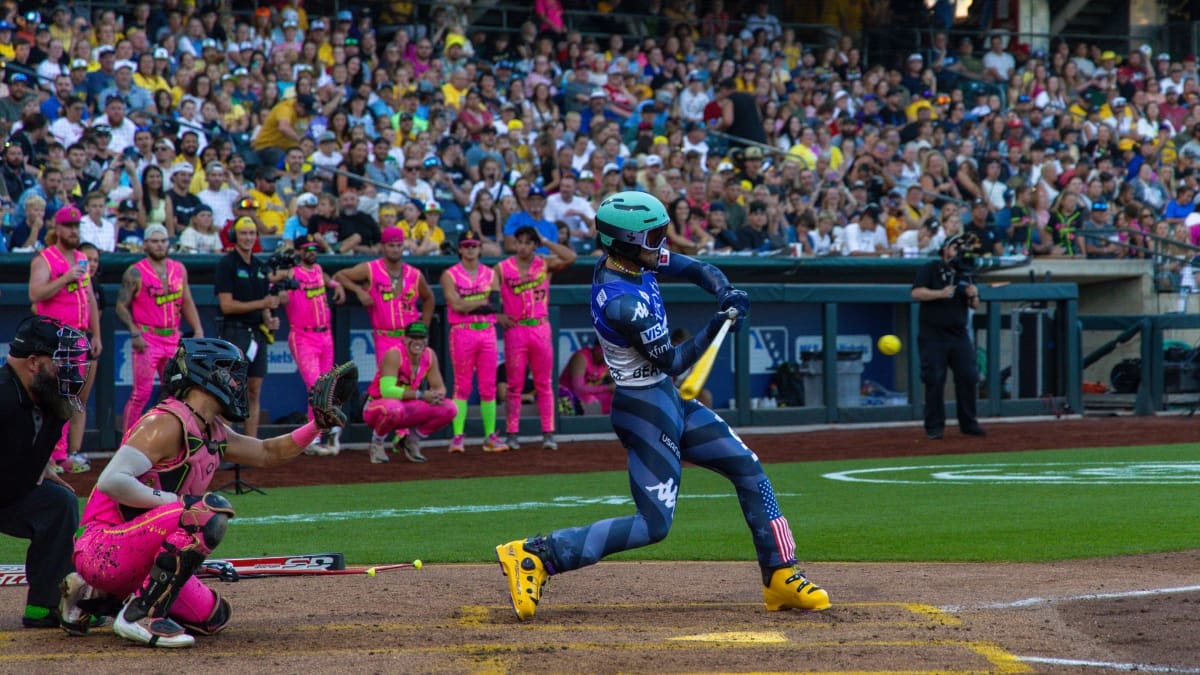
(217,366)
(68,347)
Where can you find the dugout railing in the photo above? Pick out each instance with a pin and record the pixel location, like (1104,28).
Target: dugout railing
(834,309)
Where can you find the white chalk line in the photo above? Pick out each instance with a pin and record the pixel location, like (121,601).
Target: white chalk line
(1079,663)
(1033,602)
(567,501)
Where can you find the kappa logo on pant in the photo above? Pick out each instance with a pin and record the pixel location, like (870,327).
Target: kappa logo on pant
(666,492)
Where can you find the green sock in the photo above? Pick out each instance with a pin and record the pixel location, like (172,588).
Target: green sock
(487,410)
(36,612)
(460,419)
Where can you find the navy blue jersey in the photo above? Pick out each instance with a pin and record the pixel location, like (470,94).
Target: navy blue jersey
(631,321)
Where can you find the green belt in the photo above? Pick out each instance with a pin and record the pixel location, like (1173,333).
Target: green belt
(390,333)
(529,322)
(479,325)
(164,332)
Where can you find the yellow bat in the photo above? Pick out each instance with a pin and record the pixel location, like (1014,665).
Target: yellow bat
(694,383)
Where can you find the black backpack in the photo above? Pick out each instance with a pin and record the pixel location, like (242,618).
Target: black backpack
(787,386)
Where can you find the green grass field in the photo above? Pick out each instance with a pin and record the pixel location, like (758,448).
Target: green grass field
(1027,506)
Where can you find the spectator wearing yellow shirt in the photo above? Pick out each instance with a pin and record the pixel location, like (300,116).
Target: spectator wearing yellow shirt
(60,26)
(420,236)
(272,213)
(283,128)
(455,91)
(7,51)
(147,76)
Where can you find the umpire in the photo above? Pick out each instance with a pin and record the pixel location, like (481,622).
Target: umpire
(36,399)
(248,320)
(945,296)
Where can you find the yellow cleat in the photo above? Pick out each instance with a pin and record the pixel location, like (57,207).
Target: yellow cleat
(790,589)
(526,577)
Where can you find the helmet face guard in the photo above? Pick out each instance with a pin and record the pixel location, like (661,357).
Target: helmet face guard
(216,366)
(71,361)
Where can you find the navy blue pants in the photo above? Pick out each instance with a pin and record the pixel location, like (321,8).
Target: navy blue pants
(659,430)
(958,355)
(48,517)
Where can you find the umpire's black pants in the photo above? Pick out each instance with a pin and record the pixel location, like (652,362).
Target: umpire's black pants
(48,517)
(959,355)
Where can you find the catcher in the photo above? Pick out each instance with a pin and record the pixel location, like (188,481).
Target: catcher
(151,521)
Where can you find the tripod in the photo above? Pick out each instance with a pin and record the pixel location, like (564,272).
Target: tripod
(239,486)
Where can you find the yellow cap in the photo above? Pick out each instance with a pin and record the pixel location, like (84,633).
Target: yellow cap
(660,140)
(245,223)
(514,125)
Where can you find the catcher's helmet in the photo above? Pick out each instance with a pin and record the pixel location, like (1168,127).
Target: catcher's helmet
(217,366)
(630,221)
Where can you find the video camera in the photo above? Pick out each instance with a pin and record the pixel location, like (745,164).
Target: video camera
(283,258)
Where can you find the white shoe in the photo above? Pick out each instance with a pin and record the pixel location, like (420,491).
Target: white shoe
(412,448)
(548,442)
(334,445)
(152,631)
(315,448)
(74,620)
(379,451)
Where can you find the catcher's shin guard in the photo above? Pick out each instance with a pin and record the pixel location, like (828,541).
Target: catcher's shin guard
(215,623)
(144,618)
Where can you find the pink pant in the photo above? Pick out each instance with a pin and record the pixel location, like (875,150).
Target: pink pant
(473,352)
(529,346)
(146,364)
(117,559)
(385,415)
(313,353)
(385,342)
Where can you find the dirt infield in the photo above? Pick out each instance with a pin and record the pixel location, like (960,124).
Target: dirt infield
(1137,612)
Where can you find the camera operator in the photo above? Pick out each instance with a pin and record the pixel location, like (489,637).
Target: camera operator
(946,291)
(248,297)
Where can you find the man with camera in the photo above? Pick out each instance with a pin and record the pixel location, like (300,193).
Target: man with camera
(247,302)
(946,291)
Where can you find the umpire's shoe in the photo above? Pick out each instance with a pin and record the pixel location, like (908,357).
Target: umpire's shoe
(75,619)
(526,574)
(790,589)
(149,630)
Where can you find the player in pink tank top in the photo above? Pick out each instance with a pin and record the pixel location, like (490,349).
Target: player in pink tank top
(60,288)
(394,293)
(587,378)
(151,520)
(396,399)
(473,348)
(310,326)
(524,284)
(154,297)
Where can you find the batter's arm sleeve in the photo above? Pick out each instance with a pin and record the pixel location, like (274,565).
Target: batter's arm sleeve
(629,316)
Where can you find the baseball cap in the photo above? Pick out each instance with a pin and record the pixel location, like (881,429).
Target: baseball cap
(536,191)
(127,205)
(416,329)
(305,241)
(653,160)
(326,137)
(245,223)
(214,166)
(6,25)
(599,93)
(1099,206)
(610,167)
(724,166)
(36,335)
(319,24)
(587,174)
(124,63)
(161,53)
(156,228)
(392,235)
(306,199)
(18,77)
(183,167)
(79,63)
(468,235)
(345,15)
(432,206)
(68,214)
(754,153)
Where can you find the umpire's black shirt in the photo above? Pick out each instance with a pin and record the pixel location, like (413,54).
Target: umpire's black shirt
(247,282)
(946,318)
(27,438)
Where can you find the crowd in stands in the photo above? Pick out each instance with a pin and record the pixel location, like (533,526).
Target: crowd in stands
(400,114)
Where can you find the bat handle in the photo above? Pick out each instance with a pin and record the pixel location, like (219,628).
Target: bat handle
(731,314)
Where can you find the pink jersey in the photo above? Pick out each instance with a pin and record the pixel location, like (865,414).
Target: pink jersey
(525,297)
(307,306)
(160,304)
(188,473)
(70,304)
(471,289)
(395,300)
(406,375)
(593,374)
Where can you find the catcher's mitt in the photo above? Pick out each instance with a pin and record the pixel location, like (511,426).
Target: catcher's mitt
(329,392)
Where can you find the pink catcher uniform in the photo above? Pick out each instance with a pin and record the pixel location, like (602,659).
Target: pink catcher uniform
(526,299)
(117,544)
(473,336)
(396,304)
(310,338)
(156,311)
(70,306)
(386,415)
